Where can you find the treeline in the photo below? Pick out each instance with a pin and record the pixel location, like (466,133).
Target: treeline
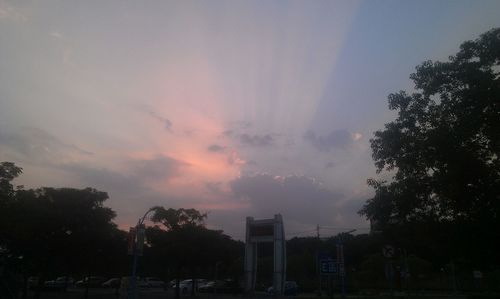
(51,232)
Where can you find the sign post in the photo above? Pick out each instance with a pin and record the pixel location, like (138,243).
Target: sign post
(131,241)
(328,267)
(388,252)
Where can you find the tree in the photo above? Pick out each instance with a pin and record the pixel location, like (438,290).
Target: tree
(443,148)
(8,172)
(184,243)
(64,232)
(54,231)
(173,219)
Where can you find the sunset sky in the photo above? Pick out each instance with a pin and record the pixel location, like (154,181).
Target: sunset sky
(235,108)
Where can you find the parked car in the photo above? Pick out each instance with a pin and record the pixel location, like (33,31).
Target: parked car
(92,282)
(151,282)
(112,283)
(32,282)
(172,283)
(126,282)
(290,288)
(186,285)
(211,286)
(59,284)
(227,286)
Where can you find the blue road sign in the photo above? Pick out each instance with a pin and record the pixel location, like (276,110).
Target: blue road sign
(328,266)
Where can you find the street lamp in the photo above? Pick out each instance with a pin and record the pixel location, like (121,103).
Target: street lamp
(139,228)
(216,275)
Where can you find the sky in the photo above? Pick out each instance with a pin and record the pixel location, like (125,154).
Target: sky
(235,108)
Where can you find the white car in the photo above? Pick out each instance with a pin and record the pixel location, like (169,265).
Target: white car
(186,285)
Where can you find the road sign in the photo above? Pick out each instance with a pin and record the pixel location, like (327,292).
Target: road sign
(328,266)
(477,274)
(388,251)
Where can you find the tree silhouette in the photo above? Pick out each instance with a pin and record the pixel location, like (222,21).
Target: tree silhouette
(174,219)
(184,243)
(443,148)
(54,231)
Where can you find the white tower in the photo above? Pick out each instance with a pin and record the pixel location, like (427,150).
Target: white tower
(265,230)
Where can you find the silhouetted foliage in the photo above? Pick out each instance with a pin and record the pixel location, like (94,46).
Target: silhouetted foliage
(443,151)
(51,232)
(8,172)
(184,243)
(444,145)
(173,219)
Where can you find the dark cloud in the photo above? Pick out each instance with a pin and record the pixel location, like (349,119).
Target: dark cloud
(234,128)
(158,168)
(190,132)
(228,133)
(214,187)
(36,145)
(129,193)
(330,165)
(140,172)
(241,125)
(129,190)
(340,139)
(301,199)
(167,124)
(215,148)
(256,140)
(251,163)
(105,179)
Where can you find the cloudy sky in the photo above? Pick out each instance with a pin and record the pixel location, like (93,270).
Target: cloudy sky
(236,108)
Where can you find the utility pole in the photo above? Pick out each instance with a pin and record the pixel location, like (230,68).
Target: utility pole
(453,277)
(407,273)
(340,259)
(318,242)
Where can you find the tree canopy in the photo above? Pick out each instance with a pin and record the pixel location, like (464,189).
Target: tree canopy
(173,219)
(54,231)
(185,238)
(8,172)
(443,148)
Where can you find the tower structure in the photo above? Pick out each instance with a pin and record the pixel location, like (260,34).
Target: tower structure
(260,231)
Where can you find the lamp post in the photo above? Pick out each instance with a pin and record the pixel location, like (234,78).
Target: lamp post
(68,233)
(139,230)
(340,259)
(216,275)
